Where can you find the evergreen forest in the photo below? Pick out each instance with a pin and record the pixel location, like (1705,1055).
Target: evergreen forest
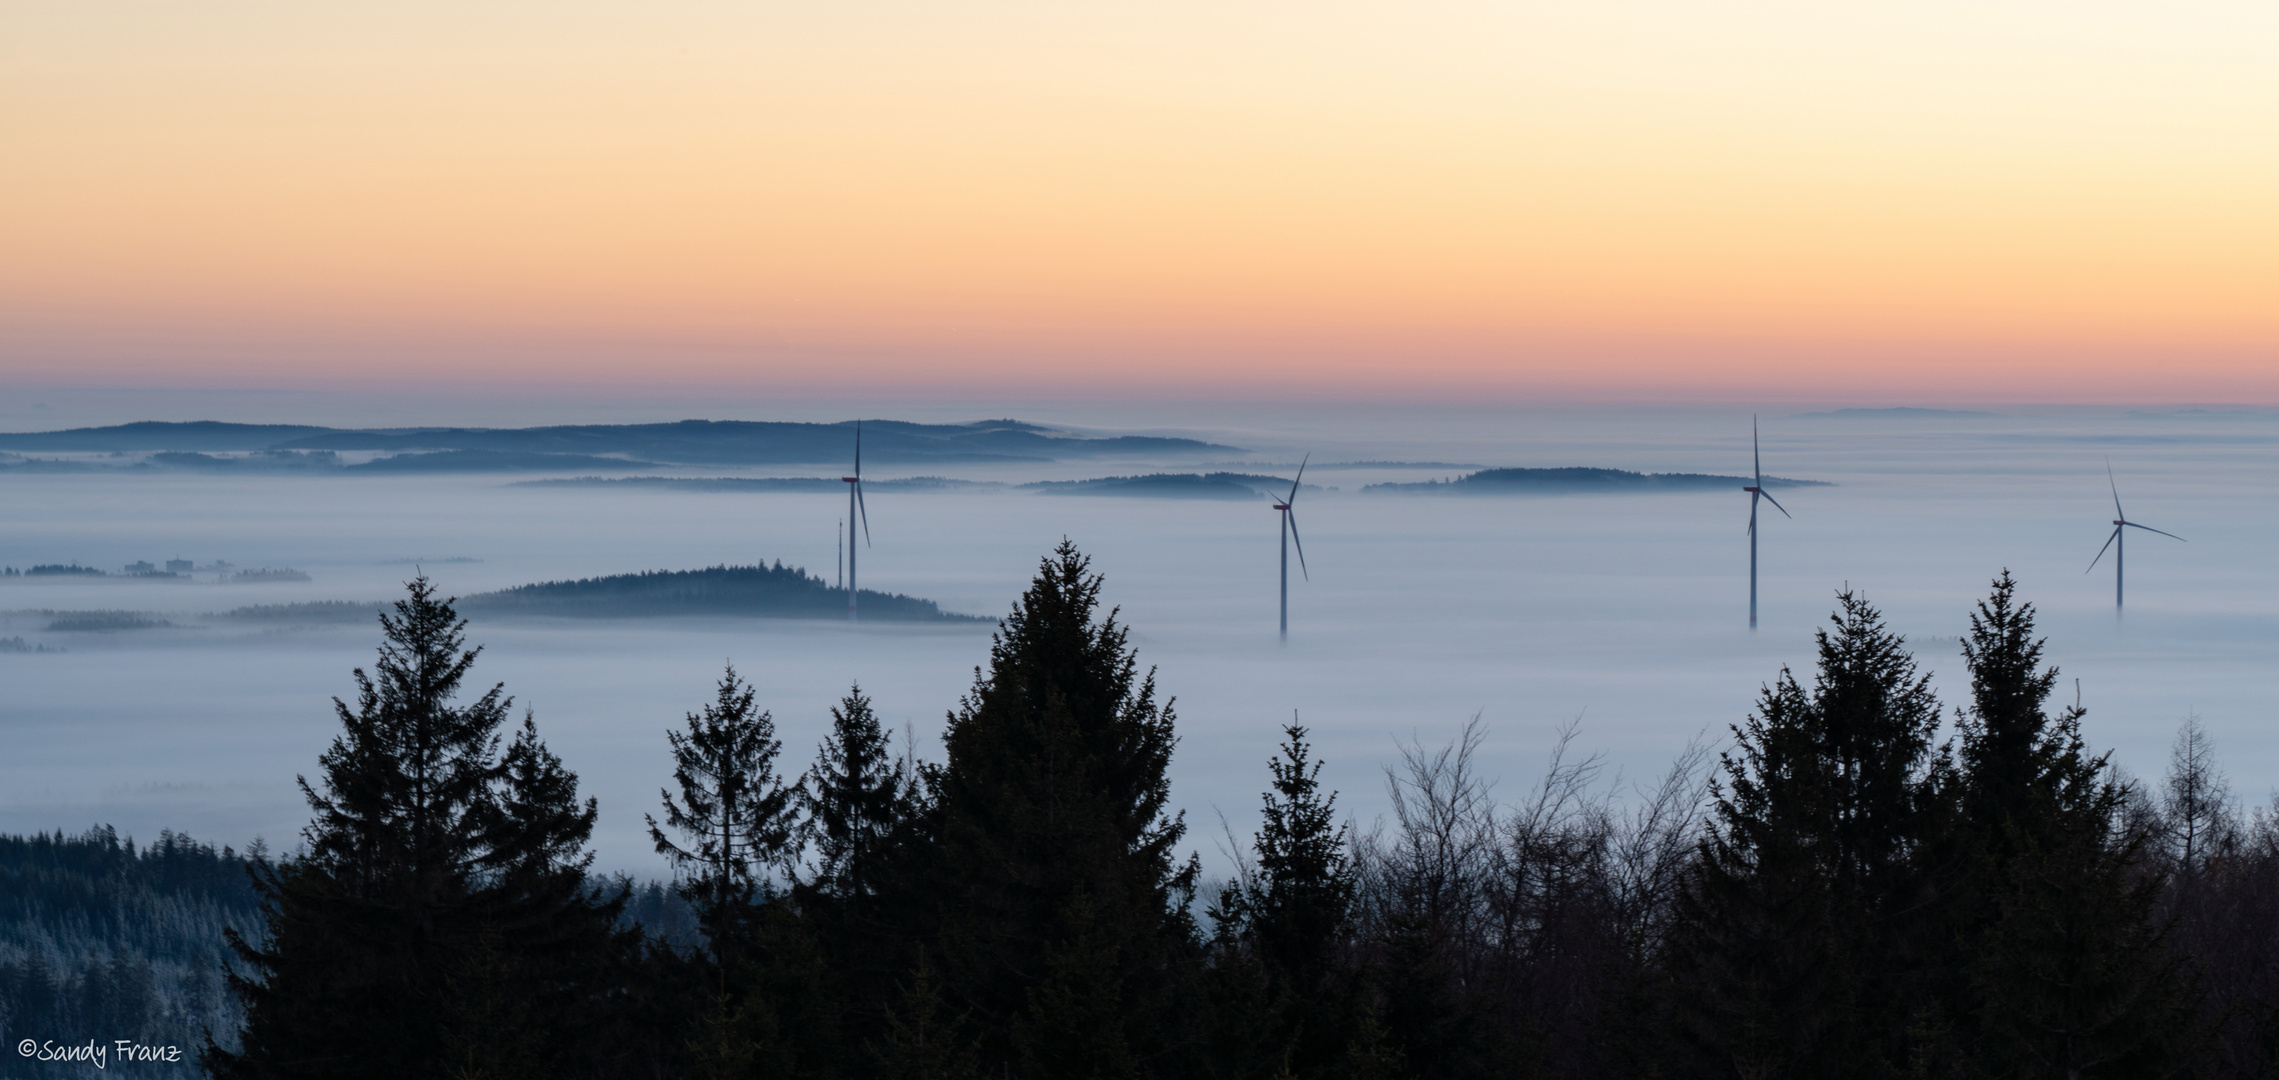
(1862,880)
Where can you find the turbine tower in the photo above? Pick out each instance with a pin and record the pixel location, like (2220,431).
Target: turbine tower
(1757,491)
(855,507)
(1289,534)
(2116,542)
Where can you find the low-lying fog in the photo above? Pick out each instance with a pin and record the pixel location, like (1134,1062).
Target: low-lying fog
(1626,610)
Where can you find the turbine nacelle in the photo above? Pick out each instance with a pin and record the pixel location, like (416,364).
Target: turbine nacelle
(857,512)
(1757,491)
(2114,541)
(1289,537)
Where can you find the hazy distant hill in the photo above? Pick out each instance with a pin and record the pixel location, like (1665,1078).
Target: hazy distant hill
(694,442)
(1561,481)
(264,459)
(1218,485)
(157,435)
(830,484)
(778,591)
(304,614)
(493,461)
(1897,412)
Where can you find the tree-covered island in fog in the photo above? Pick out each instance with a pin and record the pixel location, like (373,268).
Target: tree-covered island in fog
(755,484)
(762,591)
(1217,485)
(1563,481)
(776,591)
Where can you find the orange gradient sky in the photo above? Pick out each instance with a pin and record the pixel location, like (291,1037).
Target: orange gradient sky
(1627,200)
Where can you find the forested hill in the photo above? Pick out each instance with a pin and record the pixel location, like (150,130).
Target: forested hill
(101,940)
(778,591)
(1563,481)
(1218,485)
(700,442)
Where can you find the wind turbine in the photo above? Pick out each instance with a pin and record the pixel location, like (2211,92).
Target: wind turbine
(2120,546)
(855,506)
(1757,491)
(1290,533)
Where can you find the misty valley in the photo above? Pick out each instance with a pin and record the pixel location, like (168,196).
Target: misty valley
(1007,820)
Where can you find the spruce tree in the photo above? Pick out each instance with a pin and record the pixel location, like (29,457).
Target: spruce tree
(2061,963)
(1290,912)
(737,818)
(441,883)
(738,824)
(1800,940)
(856,799)
(860,817)
(1064,925)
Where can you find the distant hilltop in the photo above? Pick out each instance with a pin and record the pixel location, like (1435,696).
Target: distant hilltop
(203,445)
(1218,485)
(1576,480)
(761,591)
(1896,412)
(778,591)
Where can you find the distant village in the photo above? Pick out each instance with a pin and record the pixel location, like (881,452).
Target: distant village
(172,569)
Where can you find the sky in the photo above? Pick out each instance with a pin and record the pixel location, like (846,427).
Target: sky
(994,200)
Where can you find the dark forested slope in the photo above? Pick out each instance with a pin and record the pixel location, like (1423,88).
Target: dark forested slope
(101,940)
(778,591)
(1568,480)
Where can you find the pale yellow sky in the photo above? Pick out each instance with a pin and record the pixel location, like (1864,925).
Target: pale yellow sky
(1601,199)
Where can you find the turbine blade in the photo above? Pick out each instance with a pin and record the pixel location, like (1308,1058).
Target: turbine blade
(1757,452)
(1293,518)
(1301,478)
(2148,528)
(2116,486)
(2101,551)
(858,448)
(1777,506)
(864,509)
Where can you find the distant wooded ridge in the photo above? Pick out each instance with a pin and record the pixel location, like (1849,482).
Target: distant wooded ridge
(756,484)
(708,442)
(1897,412)
(1536,481)
(1217,485)
(778,591)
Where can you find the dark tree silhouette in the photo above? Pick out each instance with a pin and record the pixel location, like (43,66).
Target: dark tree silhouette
(1796,948)
(1291,910)
(440,902)
(736,817)
(861,823)
(2060,969)
(856,798)
(1064,918)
